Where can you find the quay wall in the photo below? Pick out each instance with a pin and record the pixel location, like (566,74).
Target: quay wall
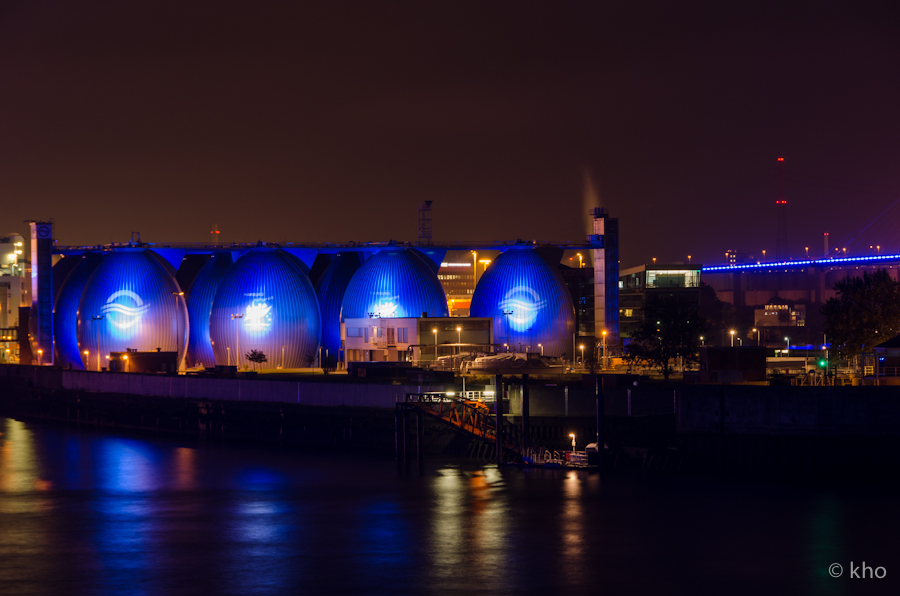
(319,393)
(823,431)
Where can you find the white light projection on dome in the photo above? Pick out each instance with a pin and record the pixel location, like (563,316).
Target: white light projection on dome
(384,307)
(258,316)
(529,303)
(124,309)
(524,304)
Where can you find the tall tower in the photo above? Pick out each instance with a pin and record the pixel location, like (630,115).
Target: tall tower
(41,316)
(606,275)
(425,222)
(781,237)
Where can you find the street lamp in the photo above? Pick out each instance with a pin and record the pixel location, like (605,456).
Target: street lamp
(757,336)
(435,344)
(40,357)
(604,348)
(87,361)
(474,268)
(237,338)
(701,340)
(573,441)
(581,347)
(94,319)
(788,340)
(580,261)
(506,314)
(732,337)
(541,346)
(177,329)
(127,364)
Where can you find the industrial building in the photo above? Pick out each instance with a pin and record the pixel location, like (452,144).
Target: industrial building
(209,305)
(637,284)
(15,293)
(416,339)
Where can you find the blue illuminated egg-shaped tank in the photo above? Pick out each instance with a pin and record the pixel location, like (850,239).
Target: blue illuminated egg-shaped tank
(199,303)
(131,301)
(276,308)
(330,291)
(540,310)
(394,283)
(65,311)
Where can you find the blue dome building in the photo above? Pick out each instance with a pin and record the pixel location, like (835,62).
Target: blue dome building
(330,290)
(199,304)
(278,308)
(394,283)
(540,310)
(131,301)
(65,310)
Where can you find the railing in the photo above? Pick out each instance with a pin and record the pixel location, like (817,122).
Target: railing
(451,245)
(471,416)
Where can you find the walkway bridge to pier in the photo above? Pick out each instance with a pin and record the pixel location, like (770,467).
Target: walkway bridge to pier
(475,418)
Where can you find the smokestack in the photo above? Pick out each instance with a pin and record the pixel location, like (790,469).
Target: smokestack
(825,254)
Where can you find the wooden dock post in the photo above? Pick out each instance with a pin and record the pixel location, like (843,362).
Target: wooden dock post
(526,411)
(598,393)
(420,456)
(498,413)
(398,435)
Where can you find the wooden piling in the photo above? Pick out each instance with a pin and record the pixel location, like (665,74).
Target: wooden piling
(526,411)
(498,413)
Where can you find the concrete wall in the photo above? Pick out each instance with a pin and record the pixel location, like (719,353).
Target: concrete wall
(789,410)
(368,395)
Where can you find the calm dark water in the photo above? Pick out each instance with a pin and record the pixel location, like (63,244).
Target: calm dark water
(92,512)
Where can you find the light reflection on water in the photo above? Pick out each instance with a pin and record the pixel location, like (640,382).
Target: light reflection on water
(87,512)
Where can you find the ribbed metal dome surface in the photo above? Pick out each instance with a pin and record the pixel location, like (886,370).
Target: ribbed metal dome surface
(520,281)
(65,311)
(132,289)
(394,283)
(330,291)
(279,309)
(199,303)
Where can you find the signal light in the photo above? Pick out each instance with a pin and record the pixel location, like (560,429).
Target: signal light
(823,363)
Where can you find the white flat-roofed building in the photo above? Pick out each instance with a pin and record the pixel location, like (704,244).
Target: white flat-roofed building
(414,339)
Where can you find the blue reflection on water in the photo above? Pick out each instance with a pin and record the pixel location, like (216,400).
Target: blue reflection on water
(85,512)
(128,465)
(260,479)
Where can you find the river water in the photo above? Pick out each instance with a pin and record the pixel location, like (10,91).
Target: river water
(86,511)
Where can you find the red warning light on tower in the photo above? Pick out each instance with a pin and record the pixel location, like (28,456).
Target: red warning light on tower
(780,159)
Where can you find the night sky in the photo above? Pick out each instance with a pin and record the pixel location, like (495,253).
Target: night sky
(331,121)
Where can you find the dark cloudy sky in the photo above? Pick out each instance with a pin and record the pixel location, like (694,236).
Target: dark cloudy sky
(331,121)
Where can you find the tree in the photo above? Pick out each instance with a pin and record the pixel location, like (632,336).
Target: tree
(256,356)
(671,329)
(865,313)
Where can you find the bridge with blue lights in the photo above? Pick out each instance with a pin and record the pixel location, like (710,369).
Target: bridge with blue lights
(893,259)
